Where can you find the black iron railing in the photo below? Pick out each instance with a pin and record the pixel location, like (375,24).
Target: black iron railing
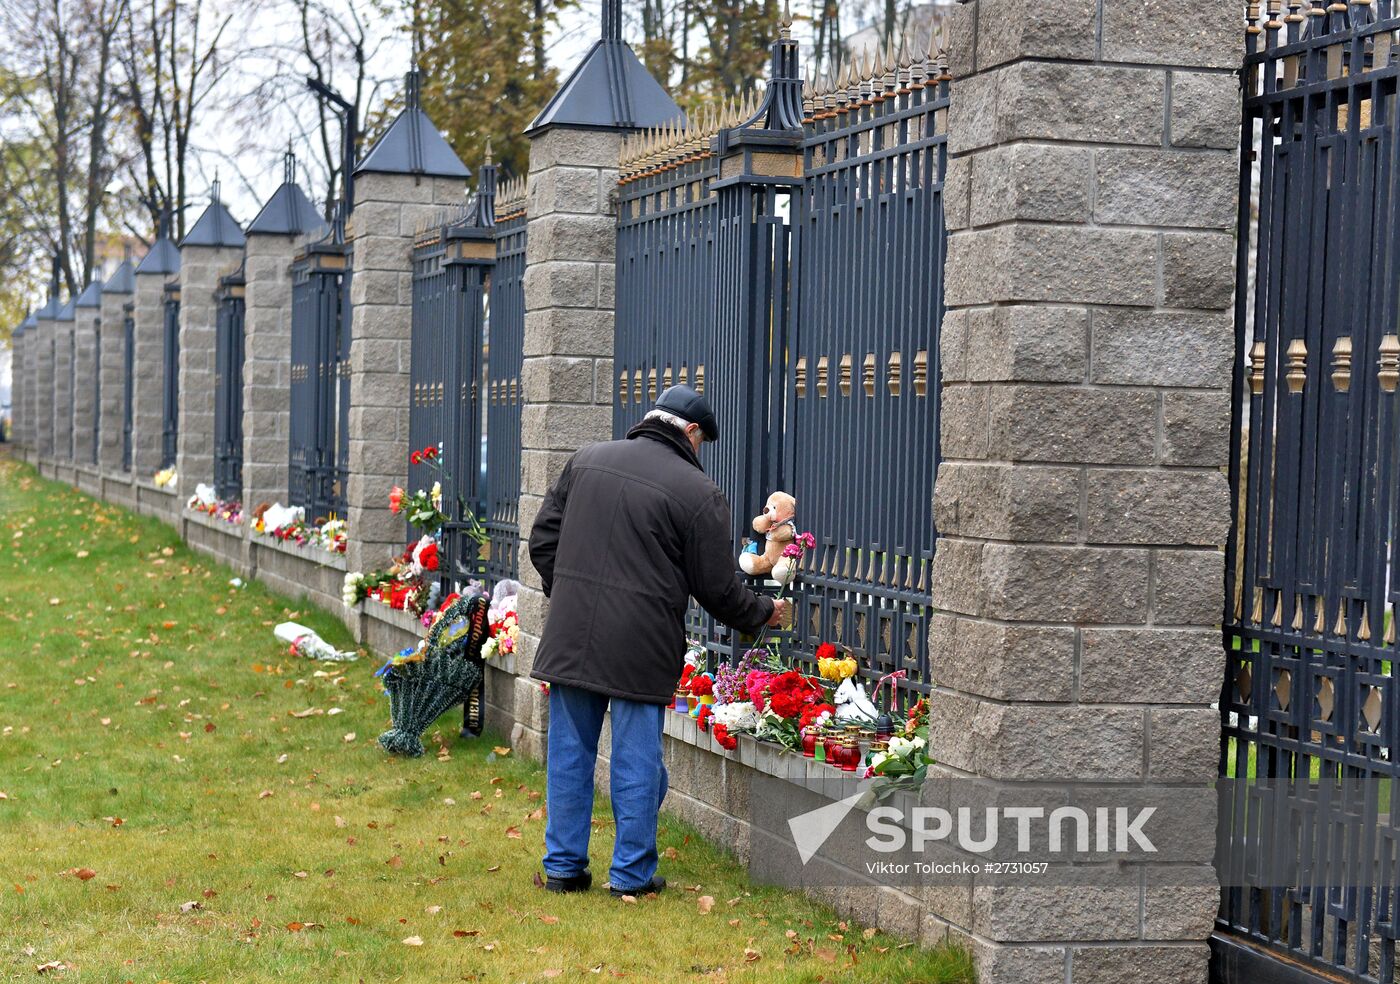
(170,374)
(228,388)
(319,399)
(128,381)
(787,261)
(1309,687)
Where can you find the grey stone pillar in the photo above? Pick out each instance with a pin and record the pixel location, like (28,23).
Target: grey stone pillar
(406,179)
(267,340)
(61,418)
(570,250)
(212,248)
(87,318)
(111,366)
(22,383)
(1081,506)
(148,353)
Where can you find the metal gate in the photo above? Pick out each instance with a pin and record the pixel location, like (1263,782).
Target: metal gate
(505,351)
(128,381)
(1308,697)
(170,370)
(228,388)
(787,261)
(319,401)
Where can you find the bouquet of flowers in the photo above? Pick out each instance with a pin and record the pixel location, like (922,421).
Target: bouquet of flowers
(904,764)
(504,622)
(164,478)
(424,681)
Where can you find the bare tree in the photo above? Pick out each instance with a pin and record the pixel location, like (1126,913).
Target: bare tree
(59,96)
(173,59)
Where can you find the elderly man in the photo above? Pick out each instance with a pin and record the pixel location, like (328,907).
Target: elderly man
(630,531)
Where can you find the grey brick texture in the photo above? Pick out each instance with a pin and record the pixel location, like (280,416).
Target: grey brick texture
(1081,505)
(200,270)
(267,367)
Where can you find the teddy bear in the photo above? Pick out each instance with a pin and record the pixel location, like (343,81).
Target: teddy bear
(779,528)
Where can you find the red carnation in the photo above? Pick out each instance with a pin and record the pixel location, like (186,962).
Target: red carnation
(826,651)
(430,452)
(701,685)
(415,458)
(448,601)
(813,711)
(686,674)
(725,739)
(702,717)
(428,557)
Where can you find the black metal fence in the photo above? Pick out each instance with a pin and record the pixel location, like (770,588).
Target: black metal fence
(505,350)
(96,365)
(128,381)
(1309,688)
(458,364)
(228,387)
(786,259)
(170,372)
(318,448)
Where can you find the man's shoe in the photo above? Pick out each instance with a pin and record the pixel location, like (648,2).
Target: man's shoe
(655,886)
(581,882)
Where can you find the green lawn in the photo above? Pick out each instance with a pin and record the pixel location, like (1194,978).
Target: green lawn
(168,812)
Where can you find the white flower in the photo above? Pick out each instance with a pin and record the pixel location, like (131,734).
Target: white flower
(879,759)
(488,648)
(740,715)
(906,747)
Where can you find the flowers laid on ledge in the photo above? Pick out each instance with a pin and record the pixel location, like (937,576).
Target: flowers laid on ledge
(504,623)
(206,501)
(165,478)
(412,583)
(828,716)
(288,524)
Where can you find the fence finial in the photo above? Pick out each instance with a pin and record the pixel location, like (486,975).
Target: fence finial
(214,189)
(411,94)
(612,20)
(289,164)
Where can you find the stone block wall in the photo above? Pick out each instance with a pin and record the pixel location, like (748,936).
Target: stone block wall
(389,209)
(567,369)
(200,270)
(148,398)
(267,375)
(111,366)
(86,328)
(1081,502)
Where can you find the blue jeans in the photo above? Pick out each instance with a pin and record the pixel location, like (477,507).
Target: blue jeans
(638,781)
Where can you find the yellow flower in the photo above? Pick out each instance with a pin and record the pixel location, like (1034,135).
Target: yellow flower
(837,670)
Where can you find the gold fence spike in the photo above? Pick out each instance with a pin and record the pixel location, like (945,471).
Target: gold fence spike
(892,374)
(1298,614)
(1363,630)
(867,374)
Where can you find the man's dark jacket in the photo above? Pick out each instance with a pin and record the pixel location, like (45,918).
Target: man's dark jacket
(629,532)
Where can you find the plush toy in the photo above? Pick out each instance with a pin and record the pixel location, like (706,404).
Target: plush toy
(779,528)
(852,704)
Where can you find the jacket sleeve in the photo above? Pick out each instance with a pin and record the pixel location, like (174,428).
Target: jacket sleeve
(710,570)
(544,535)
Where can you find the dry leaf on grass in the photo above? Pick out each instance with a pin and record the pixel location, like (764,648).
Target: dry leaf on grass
(433,910)
(513,833)
(52,965)
(413,941)
(705,904)
(549,920)
(499,750)
(82,874)
(751,955)
(194,906)
(460,933)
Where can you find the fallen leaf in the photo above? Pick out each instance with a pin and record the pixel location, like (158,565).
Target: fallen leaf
(499,750)
(44,968)
(350,737)
(870,933)
(4,795)
(513,833)
(459,933)
(194,906)
(413,941)
(751,955)
(551,972)
(706,903)
(309,712)
(629,899)
(395,862)
(84,874)
(433,910)
(264,794)
(549,920)
(670,854)
(733,922)
(340,822)
(299,874)
(496,867)
(295,927)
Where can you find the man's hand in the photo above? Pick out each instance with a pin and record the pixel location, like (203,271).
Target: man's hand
(781,608)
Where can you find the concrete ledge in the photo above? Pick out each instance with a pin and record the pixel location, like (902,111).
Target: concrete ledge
(309,573)
(88,480)
(224,542)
